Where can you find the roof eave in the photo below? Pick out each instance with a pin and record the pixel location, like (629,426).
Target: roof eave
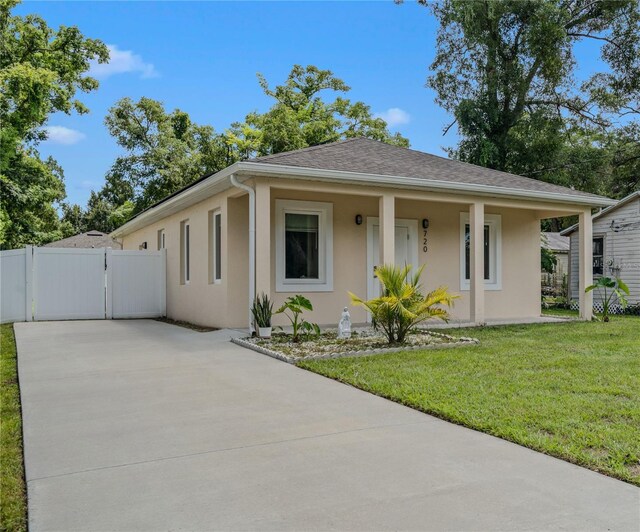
(219,182)
(268,169)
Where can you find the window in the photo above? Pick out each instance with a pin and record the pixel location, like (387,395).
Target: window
(304,246)
(598,255)
(215,246)
(492,252)
(161,240)
(185,245)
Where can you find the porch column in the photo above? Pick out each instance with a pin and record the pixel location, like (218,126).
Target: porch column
(585,266)
(387,215)
(476,262)
(263,238)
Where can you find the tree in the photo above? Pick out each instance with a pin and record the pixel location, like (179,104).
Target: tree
(41,70)
(504,70)
(300,117)
(164,153)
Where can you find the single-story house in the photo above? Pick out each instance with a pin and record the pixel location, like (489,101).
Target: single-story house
(317,221)
(616,248)
(559,246)
(90,239)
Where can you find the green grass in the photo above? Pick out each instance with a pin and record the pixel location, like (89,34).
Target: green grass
(571,390)
(13,501)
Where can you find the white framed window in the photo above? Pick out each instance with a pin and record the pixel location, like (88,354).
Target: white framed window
(215,246)
(492,255)
(304,246)
(185,252)
(161,239)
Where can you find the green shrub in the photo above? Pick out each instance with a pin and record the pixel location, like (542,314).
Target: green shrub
(293,308)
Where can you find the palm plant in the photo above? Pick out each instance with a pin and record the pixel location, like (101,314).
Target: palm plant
(402,306)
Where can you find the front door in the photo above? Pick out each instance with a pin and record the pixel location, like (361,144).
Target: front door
(406,252)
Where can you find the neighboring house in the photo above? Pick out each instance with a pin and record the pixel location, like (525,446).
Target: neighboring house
(90,239)
(559,246)
(616,247)
(318,221)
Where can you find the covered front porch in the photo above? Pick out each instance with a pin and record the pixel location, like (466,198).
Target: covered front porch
(324,240)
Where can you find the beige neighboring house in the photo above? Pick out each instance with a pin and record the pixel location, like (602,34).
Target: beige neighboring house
(90,239)
(559,246)
(616,247)
(318,221)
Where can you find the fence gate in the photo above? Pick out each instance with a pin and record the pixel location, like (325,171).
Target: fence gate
(68,284)
(81,284)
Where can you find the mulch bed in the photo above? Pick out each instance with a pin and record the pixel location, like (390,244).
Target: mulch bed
(362,342)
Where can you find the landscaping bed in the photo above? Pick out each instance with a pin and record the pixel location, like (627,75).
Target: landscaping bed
(362,342)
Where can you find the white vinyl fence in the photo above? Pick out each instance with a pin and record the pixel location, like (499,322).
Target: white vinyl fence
(73,284)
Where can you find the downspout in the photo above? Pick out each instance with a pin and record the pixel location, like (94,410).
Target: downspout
(252,243)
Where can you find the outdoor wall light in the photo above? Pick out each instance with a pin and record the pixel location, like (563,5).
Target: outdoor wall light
(358,219)
(425,223)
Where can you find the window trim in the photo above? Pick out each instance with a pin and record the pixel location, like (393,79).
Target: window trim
(325,246)
(162,239)
(215,276)
(604,254)
(494,221)
(185,252)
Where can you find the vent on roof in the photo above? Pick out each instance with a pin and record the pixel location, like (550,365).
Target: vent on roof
(94,234)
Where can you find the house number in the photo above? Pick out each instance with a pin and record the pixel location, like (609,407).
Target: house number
(425,247)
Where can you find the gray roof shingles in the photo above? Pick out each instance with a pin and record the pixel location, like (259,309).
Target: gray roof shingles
(90,239)
(368,156)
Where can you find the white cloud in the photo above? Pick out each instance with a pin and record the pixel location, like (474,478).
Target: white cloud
(63,135)
(394,116)
(122,62)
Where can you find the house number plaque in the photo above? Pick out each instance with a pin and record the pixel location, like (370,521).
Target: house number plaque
(425,245)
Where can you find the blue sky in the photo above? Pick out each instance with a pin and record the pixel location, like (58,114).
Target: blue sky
(203,58)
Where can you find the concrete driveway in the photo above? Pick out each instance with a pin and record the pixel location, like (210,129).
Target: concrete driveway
(140,425)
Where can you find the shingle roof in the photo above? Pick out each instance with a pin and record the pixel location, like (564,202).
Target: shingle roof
(368,156)
(90,239)
(557,242)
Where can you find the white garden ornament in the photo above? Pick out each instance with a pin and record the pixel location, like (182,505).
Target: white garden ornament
(344,327)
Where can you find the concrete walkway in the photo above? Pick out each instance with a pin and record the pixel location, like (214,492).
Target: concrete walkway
(140,425)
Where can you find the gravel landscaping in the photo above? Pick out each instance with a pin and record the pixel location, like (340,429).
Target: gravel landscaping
(362,342)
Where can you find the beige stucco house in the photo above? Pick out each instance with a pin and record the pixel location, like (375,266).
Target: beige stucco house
(317,221)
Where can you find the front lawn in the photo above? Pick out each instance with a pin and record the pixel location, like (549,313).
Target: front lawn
(13,501)
(571,390)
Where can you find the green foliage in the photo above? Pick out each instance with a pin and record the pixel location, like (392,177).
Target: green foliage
(402,306)
(301,117)
(293,308)
(504,70)
(41,70)
(262,310)
(611,291)
(164,153)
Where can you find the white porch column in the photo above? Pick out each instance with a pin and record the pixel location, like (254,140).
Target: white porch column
(585,266)
(263,238)
(476,262)
(387,215)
